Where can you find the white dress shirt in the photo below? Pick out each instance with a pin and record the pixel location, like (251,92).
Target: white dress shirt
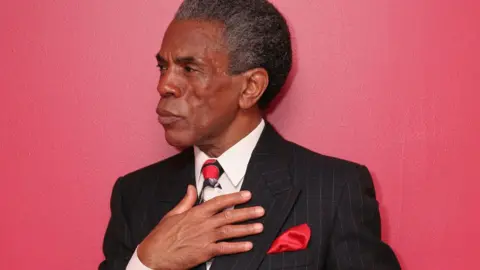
(234,162)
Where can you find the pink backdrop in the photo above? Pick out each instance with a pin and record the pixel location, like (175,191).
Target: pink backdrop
(390,84)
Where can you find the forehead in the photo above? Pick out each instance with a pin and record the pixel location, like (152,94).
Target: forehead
(193,38)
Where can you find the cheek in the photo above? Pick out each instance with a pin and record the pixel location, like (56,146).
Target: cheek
(210,105)
(201,112)
(213,113)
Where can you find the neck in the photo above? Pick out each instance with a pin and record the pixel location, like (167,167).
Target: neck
(241,126)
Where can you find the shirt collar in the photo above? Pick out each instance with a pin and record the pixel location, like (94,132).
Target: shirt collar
(235,160)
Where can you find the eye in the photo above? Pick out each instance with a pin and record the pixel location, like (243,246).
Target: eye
(162,68)
(189,69)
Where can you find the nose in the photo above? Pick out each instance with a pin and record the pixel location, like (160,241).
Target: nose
(168,86)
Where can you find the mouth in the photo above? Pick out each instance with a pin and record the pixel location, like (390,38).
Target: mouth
(167,118)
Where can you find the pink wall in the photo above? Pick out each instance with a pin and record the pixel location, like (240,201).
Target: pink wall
(391,84)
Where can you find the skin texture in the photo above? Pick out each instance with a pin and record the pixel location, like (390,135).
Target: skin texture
(203,104)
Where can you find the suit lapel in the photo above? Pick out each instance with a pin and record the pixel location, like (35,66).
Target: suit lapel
(268,177)
(171,186)
(169,192)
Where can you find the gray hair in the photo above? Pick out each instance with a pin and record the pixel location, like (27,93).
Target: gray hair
(256,34)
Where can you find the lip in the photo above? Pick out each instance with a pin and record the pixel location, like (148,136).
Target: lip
(168,120)
(166,117)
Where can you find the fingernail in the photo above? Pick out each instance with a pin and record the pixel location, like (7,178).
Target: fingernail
(259,210)
(248,245)
(246,194)
(258,227)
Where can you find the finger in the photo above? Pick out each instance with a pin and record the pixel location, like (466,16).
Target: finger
(186,203)
(235,231)
(232,216)
(222,202)
(223,248)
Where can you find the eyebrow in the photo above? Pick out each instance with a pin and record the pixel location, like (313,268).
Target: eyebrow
(179,60)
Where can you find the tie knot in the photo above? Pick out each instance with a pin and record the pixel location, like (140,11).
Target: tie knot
(211,169)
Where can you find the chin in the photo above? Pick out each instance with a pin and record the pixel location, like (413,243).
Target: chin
(180,140)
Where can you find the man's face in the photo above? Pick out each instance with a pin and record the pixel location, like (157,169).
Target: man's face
(199,99)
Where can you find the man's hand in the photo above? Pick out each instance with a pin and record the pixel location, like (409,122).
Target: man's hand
(188,236)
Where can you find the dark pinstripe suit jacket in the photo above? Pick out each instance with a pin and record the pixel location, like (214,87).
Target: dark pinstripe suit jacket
(336,198)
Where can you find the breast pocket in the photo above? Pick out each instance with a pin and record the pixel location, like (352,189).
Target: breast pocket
(287,260)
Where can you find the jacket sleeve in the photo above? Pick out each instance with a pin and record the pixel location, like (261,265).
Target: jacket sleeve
(355,242)
(117,247)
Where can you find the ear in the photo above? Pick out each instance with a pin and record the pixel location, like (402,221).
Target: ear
(256,81)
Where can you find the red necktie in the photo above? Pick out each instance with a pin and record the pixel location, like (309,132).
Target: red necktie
(211,171)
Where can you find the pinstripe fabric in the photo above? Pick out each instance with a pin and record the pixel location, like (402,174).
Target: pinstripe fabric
(336,198)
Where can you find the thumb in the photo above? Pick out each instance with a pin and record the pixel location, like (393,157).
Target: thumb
(186,203)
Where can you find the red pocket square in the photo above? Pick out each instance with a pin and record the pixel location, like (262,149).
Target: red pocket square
(295,238)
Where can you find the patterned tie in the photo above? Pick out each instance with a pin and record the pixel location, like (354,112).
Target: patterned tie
(211,171)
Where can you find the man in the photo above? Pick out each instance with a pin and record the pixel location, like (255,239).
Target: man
(221,63)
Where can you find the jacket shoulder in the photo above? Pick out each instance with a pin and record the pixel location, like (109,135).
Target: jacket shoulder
(320,166)
(322,160)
